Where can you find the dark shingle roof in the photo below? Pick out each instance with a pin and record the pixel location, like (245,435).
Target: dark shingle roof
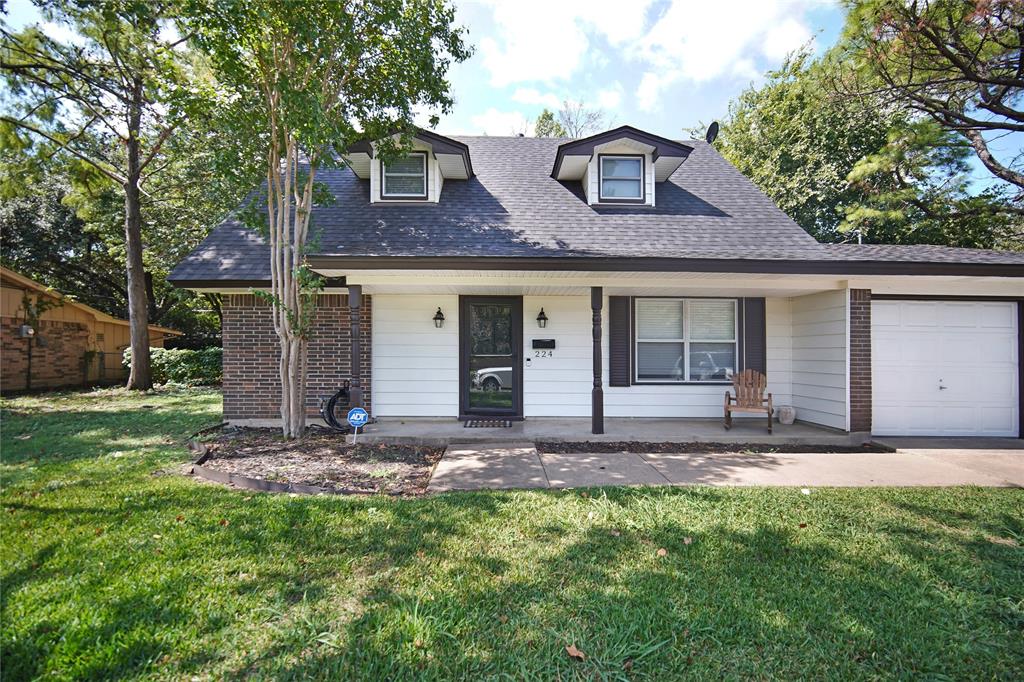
(922,253)
(513,208)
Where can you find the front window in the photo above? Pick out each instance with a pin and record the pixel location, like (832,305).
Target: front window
(685,339)
(406,177)
(622,178)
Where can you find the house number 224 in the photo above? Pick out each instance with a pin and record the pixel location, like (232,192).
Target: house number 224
(543,353)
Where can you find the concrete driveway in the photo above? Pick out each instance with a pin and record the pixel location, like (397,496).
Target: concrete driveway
(519,465)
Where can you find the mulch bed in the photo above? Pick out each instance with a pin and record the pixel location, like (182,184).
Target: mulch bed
(545,447)
(322,459)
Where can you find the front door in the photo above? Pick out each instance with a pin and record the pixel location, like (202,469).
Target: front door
(490,359)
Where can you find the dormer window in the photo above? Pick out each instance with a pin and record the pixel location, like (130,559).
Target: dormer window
(621,166)
(622,178)
(406,177)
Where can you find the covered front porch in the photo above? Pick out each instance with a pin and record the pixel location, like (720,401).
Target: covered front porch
(444,431)
(580,355)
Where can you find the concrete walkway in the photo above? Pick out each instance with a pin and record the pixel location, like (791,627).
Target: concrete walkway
(518,465)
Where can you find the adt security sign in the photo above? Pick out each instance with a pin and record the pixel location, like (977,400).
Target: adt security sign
(357,417)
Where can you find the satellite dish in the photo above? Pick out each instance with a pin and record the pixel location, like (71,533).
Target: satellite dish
(712,132)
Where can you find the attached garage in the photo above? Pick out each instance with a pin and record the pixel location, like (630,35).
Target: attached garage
(945,368)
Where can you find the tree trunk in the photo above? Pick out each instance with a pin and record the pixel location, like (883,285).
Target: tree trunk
(140,378)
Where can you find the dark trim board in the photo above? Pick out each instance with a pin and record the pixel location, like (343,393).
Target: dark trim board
(517,357)
(982,299)
(615,264)
(229,284)
(936,297)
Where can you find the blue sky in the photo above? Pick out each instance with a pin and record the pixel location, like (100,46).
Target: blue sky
(660,65)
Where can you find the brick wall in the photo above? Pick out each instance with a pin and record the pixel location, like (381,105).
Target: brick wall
(58,363)
(251,386)
(860,360)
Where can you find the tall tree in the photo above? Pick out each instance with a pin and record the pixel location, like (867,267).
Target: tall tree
(547,126)
(110,98)
(306,80)
(576,119)
(858,167)
(957,62)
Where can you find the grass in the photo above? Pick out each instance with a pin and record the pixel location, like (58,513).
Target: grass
(115,566)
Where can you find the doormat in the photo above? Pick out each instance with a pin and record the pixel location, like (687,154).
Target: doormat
(487,424)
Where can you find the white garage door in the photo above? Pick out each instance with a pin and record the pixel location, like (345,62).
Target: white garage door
(944,368)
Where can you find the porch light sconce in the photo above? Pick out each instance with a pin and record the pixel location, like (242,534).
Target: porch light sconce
(542,319)
(438,319)
(26,331)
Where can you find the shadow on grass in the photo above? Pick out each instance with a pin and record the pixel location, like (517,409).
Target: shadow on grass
(761,602)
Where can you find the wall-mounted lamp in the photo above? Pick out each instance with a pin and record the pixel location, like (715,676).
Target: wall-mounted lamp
(542,319)
(438,319)
(26,331)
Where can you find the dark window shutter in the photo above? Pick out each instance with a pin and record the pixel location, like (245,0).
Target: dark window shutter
(619,341)
(755,347)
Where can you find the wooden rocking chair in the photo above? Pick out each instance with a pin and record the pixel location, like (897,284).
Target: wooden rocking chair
(749,386)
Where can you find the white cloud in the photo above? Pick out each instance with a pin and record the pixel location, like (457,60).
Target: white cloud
(494,122)
(610,98)
(718,46)
(552,41)
(547,40)
(531,96)
(783,38)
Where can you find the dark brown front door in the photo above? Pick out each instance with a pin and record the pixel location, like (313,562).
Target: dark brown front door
(491,356)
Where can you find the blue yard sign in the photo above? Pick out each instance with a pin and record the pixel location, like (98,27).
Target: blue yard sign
(357,417)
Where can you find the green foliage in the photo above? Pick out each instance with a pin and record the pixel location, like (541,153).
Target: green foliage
(184,366)
(848,168)
(332,73)
(958,63)
(117,567)
(547,126)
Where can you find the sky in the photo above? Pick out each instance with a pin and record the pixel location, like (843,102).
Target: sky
(665,66)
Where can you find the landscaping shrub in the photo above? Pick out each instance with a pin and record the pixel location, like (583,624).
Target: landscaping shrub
(183,366)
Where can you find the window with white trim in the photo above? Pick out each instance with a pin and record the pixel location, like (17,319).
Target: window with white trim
(622,178)
(405,177)
(685,339)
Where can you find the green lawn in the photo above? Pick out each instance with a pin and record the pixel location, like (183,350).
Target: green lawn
(116,566)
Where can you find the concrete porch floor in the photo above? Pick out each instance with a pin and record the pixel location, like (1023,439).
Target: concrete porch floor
(442,432)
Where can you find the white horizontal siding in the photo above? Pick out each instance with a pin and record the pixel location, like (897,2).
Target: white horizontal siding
(415,366)
(558,385)
(779,353)
(819,345)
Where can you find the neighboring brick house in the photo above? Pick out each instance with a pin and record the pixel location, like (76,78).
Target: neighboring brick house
(74,344)
(622,275)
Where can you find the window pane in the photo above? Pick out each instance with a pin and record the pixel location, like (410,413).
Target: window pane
(712,361)
(621,168)
(712,320)
(403,185)
(407,164)
(659,318)
(620,189)
(659,361)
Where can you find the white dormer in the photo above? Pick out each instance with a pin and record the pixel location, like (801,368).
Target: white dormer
(415,177)
(619,167)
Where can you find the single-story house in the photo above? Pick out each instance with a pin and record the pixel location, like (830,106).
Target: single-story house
(72,345)
(622,275)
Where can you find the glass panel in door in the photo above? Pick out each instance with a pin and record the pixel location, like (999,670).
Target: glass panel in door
(491,357)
